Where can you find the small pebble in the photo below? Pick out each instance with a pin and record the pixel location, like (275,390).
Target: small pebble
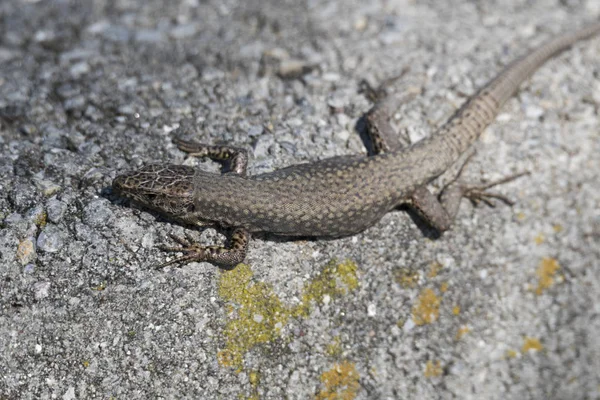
(41,290)
(56,210)
(26,251)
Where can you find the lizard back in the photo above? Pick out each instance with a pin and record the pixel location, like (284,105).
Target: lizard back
(333,197)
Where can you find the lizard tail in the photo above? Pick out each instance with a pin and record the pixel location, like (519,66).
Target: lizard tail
(505,85)
(465,126)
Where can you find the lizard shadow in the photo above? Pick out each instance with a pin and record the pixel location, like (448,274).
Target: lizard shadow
(426,230)
(361,129)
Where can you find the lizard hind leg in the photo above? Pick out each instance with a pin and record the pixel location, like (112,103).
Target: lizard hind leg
(379,130)
(452,194)
(226,257)
(440,211)
(236,157)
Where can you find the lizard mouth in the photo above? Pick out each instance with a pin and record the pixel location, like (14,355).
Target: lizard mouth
(125,186)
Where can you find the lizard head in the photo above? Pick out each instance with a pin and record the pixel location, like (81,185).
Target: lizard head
(164,188)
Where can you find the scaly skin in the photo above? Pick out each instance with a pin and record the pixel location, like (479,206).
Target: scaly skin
(330,198)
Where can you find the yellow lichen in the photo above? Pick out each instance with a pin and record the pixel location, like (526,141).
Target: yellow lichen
(334,349)
(434,269)
(333,281)
(462,331)
(531,344)
(100,287)
(254,378)
(456,310)
(341,382)
(41,219)
(444,287)
(407,278)
(433,369)
(539,239)
(258,315)
(545,272)
(427,308)
(557,228)
(511,353)
(229,358)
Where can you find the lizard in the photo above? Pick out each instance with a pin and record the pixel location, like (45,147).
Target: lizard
(333,197)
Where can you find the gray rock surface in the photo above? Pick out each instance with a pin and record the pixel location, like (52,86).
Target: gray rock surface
(505,305)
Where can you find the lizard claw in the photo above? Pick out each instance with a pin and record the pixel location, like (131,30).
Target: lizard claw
(226,257)
(479,194)
(192,251)
(184,242)
(476,196)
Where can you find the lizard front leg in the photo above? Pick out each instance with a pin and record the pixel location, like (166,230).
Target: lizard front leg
(440,211)
(226,257)
(451,196)
(236,157)
(381,133)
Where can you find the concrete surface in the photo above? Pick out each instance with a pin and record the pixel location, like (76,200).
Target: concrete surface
(504,306)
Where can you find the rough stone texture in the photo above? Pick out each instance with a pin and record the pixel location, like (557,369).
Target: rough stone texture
(503,306)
